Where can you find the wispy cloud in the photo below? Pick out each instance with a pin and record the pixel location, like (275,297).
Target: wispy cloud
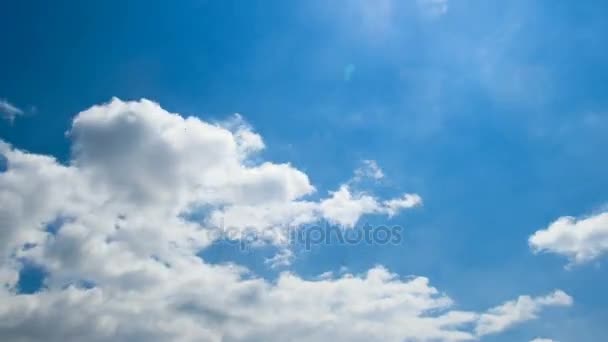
(9,111)
(434,8)
(282,259)
(524,308)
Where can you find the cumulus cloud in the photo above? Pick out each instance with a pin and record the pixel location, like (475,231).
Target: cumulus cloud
(581,240)
(543,340)
(114,231)
(9,111)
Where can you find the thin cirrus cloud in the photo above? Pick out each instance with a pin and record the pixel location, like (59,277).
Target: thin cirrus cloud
(9,111)
(581,240)
(380,19)
(434,8)
(119,228)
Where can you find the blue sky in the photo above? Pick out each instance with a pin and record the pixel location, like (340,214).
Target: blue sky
(493,112)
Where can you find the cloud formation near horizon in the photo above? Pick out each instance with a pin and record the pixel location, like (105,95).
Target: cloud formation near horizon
(121,257)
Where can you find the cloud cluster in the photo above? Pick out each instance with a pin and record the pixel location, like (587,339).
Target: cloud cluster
(115,234)
(581,240)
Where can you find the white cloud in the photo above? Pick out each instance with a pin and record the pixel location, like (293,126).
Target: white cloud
(393,206)
(9,111)
(346,208)
(368,169)
(543,340)
(343,207)
(122,145)
(581,240)
(523,309)
(282,259)
(119,211)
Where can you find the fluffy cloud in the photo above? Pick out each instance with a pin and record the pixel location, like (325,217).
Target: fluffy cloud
(581,240)
(115,232)
(345,208)
(9,111)
(543,340)
(144,154)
